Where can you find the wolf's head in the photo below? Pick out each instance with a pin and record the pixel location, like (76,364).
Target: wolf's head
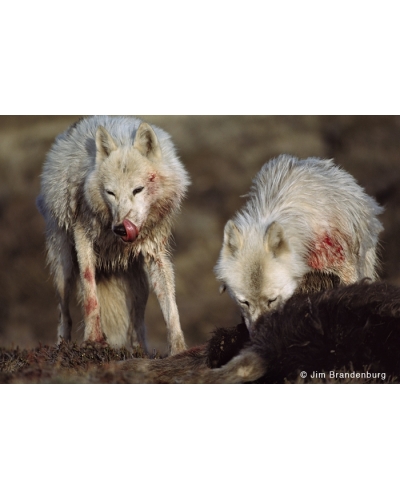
(258,268)
(131,183)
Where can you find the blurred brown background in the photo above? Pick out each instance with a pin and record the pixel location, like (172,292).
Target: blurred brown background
(222,154)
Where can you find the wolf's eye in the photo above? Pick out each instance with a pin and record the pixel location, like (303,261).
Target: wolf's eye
(110,193)
(138,190)
(245,303)
(271,301)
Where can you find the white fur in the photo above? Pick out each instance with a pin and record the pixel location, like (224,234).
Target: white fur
(101,171)
(294,208)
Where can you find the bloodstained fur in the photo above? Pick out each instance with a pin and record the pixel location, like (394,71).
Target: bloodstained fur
(327,253)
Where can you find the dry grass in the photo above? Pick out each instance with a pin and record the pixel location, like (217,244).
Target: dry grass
(65,363)
(91,363)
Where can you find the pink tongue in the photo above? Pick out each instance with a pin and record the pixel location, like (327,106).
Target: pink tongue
(131,231)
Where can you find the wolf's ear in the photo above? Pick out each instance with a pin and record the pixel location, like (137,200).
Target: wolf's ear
(105,144)
(274,240)
(146,142)
(233,239)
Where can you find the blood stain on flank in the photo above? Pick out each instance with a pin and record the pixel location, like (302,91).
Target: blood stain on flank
(326,253)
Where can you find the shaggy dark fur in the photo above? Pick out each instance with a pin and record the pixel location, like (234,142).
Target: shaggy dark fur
(317,281)
(225,344)
(348,328)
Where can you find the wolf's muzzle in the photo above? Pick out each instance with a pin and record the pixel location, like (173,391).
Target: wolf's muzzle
(120,230)
(127,231)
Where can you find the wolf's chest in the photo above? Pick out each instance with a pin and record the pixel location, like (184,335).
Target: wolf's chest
(112,253)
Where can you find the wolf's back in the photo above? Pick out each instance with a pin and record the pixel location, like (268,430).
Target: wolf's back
(309,197)
(310,190)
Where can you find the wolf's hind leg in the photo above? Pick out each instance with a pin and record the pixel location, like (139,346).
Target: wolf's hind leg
(60,259)
(139,294)
(65,321)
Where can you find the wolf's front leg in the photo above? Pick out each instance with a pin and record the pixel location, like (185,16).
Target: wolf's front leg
(161,276)
(91,305)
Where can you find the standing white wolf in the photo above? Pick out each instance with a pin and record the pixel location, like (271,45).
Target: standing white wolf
(301,216)
(110,189)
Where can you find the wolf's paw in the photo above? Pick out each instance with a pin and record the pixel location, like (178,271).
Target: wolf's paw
(93,330)
(177,346)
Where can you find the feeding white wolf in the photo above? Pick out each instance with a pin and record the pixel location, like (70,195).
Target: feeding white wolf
(110,189)
(301,216)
